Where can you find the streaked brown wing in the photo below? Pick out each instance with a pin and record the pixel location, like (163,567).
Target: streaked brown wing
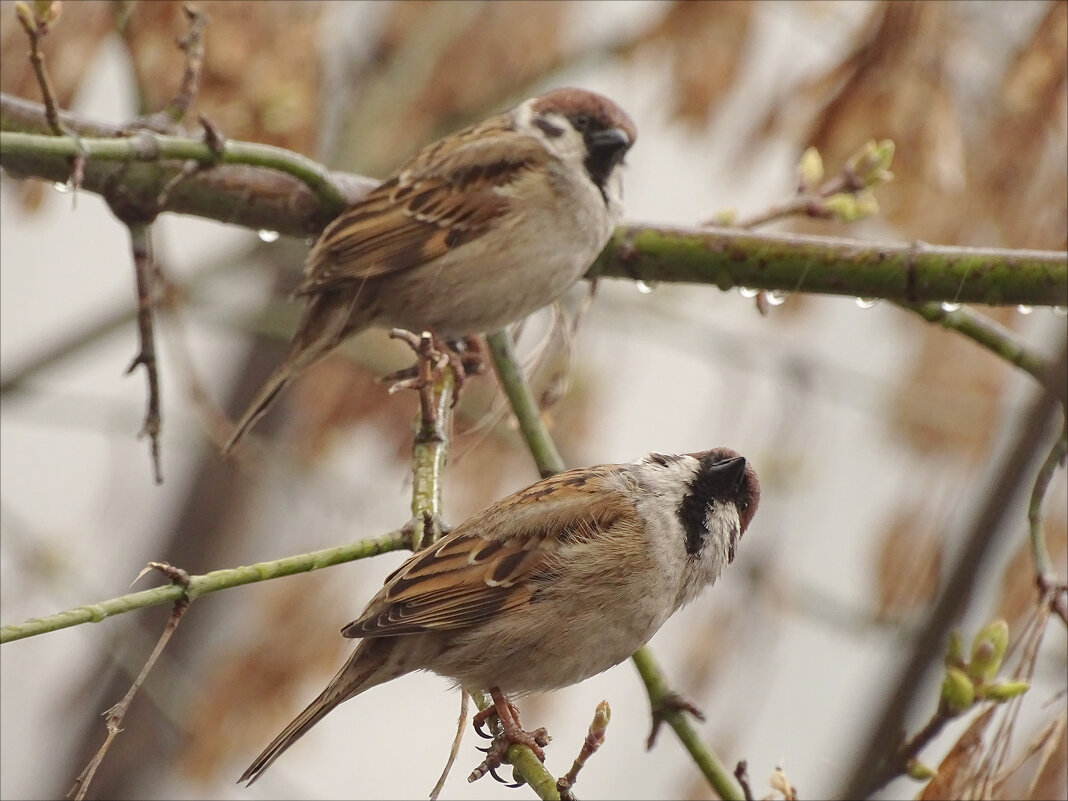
(454,584)
(437,202)
(472,574)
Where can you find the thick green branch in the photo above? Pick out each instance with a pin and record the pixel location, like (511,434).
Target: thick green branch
(795,263)
(263,187)
(525,408)
(207,583)
(717,774)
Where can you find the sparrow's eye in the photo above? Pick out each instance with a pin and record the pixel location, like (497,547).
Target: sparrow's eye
(581,122)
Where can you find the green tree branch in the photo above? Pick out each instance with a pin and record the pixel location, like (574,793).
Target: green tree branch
(264,187)
(206,584)
(540,444)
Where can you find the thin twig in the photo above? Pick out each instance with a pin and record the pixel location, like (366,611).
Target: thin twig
(35,20)
(192,44)
(461,725)
(987,333)
(435,382)
(510,375)
(114,716)
(208,583)
(594,740)
(36,25)
(717,774)
(145,274)
(1053,591)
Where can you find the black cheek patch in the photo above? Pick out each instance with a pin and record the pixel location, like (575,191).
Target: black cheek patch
(691,513)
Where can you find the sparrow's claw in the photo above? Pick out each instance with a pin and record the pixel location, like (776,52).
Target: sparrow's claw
(670,702)
(479,720)
(511,734)
(434,354)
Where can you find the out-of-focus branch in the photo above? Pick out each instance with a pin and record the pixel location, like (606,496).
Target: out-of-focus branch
(874,764)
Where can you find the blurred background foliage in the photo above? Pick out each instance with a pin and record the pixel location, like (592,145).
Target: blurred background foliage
(974,97)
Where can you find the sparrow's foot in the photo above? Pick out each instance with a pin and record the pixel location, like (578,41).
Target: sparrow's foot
(434,354)
(671,702)
(512,733)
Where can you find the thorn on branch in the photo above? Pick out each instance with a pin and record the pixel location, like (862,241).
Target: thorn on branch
(115,715)
(213,137)
(670,703)
(741,773)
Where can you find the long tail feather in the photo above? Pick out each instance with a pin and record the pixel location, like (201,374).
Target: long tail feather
(317,709)
(271,389)
(369,666)
(323,325)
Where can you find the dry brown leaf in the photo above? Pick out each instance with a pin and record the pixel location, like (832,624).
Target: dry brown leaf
(705,42)
(948,400)
(1051,775)
(253,690)
(441,66)
(338,393)
(1020,156)
(909,566)
(246,89)
(957,770)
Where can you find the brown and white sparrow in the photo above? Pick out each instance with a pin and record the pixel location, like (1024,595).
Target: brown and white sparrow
(549,586)
(475,232)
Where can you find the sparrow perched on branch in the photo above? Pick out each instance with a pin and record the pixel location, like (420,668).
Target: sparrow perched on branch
(549,586)
(475,232)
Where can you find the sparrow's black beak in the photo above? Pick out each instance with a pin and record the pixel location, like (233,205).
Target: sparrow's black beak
(609,139)
(731,471)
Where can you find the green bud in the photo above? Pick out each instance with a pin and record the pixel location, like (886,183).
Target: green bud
(844,207)
(958,691)
(867,205)
(918,771)
(871,164)
(601,716)
(724,218)
(1005,690)
(955,650)
(988,650)
(25,17)
(46,11)
(810,169)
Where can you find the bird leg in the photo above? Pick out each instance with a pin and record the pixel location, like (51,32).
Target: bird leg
(434,353)
(512,733)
